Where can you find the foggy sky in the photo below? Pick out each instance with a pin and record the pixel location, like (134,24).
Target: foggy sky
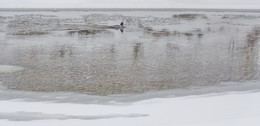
(238,4)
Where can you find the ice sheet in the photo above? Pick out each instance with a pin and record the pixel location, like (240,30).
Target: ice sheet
(236,108)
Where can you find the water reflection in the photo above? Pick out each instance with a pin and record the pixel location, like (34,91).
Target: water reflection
(112,49)
(61,52)
(138,51)
(250,55)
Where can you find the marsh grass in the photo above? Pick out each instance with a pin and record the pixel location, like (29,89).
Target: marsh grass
(190,16)
(85,32)
(231,16)
(253,36)
(30,33)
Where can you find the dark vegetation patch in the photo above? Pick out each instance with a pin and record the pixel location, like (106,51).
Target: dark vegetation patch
(231,16)
(85,32)
(190,16)
(253,36)
(157,33)
(165,32)
(29,33)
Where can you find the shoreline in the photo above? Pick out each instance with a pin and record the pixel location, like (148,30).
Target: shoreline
(89,98)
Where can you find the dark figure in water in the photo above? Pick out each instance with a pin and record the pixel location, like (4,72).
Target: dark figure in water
(119,27)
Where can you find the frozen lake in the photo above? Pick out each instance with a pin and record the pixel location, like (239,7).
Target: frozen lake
(76,51)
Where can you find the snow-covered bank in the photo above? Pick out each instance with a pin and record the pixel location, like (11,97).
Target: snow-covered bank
(237,108)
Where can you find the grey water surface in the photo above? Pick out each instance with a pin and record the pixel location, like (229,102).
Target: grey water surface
(77,51)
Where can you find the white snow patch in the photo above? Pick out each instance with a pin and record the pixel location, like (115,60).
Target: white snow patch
(9,69)
(236,109)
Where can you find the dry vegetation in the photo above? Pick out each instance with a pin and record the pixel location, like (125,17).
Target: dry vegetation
(30,33)
(253,36)
(190,16)
(231,16)
(85,32)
